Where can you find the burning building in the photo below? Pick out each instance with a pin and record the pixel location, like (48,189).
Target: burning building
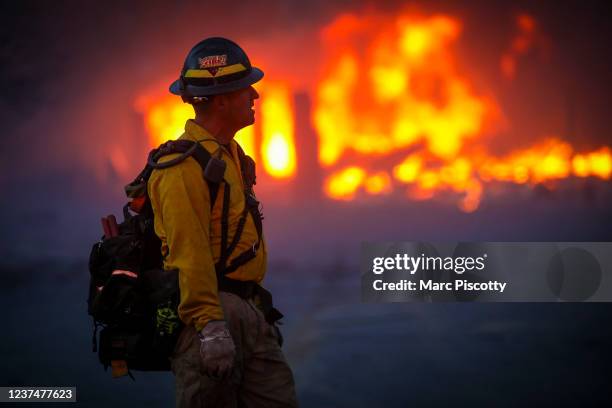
(393,114)
(402,108)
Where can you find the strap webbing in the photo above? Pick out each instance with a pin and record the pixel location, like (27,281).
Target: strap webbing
(189,148)
(220,267)
(202,156)
(238,233)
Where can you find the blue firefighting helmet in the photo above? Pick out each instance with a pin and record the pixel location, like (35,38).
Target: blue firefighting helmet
(214,66)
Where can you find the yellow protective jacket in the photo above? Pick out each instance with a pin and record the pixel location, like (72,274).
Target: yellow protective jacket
(191,233)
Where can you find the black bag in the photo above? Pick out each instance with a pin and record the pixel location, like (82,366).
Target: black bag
(131,297)
(136,305)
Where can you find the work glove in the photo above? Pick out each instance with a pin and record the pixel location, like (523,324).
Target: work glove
(217,349)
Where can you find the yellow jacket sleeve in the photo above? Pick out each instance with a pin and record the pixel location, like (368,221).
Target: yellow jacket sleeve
(181,202)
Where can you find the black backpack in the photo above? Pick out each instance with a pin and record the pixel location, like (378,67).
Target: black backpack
(131,296)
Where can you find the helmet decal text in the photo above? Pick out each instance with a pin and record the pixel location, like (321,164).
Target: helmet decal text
(213,61)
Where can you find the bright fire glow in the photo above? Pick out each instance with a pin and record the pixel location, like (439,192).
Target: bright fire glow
(405,89)
(391,85)
(597,163)
(378,183)
(391,92)
(278,146)
(246,139)
(344,184)
(165,117)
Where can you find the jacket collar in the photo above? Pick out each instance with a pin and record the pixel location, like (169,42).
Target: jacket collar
(195,132)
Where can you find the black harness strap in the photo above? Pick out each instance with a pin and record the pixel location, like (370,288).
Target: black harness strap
(189,148)
(244,289)
(238,233)
(174,146)
(251,205)
(220,266)
(202,156)
(243,258)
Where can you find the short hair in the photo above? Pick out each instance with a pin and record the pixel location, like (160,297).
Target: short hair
(199,103)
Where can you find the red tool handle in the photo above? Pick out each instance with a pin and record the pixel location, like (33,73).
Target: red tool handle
(105,227)
(112,224)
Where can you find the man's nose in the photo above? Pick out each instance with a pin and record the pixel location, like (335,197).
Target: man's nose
(254,93)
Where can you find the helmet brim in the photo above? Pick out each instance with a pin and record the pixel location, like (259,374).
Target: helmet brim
(192,90)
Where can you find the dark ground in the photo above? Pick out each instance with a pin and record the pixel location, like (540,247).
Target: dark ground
(345,353)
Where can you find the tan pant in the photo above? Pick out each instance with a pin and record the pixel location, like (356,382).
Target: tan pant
(260,377)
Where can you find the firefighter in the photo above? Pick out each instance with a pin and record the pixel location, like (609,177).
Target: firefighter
(229,352)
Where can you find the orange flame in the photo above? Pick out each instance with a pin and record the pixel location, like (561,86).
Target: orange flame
(597,164)
(393,85)
(405,90)
(278,145)
(165,117)
(393,112)
(344,184)
(402,90)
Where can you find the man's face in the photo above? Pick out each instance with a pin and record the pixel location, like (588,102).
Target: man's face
(240,104)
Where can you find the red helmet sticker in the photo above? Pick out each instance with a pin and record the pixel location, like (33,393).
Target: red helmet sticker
(213,61)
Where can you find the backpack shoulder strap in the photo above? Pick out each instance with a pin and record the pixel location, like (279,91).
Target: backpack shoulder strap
(187,148)
(202,156)
(247,167)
